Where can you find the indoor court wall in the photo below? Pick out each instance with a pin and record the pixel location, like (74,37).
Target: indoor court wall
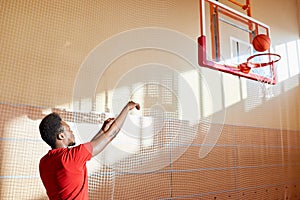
(200,134)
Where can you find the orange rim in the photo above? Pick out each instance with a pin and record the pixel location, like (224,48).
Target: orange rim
(255,65)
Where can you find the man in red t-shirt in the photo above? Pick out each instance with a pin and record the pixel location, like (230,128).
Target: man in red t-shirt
(63,170)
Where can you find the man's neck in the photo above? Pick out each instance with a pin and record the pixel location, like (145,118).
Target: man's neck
(60,145)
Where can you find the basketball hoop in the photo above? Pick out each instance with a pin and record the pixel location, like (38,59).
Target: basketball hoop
(262,60)
(259,60)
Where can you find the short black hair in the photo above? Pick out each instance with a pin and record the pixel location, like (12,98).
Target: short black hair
(50,127)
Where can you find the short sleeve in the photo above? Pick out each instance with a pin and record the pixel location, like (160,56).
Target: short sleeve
(79,155)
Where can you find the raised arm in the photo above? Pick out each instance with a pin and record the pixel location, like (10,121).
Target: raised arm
(111,128)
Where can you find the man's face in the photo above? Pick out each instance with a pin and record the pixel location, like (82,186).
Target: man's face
(69,136)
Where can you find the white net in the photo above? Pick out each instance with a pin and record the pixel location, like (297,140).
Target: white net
(199,134)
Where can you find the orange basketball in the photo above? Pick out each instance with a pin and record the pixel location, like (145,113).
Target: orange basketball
(261,42)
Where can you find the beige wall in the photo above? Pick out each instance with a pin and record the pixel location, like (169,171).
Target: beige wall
(46,44)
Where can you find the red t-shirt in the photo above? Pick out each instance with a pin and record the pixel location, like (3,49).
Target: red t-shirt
(64,174)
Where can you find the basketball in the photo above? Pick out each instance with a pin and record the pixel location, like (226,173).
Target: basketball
(261,42)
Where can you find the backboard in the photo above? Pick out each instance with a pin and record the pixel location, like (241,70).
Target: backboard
(225,41)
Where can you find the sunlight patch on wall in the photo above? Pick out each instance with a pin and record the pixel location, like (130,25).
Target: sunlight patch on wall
(293,56)
(282,65)
(288,66)
(207,103)
(291,83)
(191,78)
(233,90)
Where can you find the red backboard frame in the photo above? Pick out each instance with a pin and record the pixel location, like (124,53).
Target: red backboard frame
(202,42)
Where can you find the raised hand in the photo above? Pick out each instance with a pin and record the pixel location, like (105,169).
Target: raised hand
(107,123)
(131,105)
(111,127)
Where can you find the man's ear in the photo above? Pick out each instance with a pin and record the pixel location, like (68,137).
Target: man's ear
(60,136)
